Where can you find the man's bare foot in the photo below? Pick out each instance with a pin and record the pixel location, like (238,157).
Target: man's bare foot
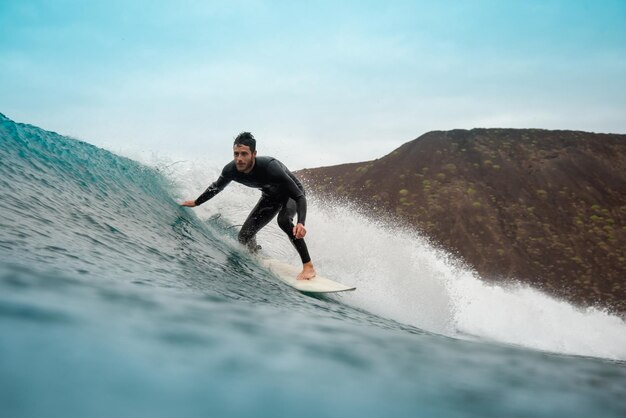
(308,272)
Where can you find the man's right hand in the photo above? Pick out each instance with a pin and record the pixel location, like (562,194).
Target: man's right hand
(189,203)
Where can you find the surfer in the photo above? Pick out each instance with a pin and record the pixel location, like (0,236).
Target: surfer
(282,194)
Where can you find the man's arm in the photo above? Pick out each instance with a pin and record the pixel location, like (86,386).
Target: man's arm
(211,191)
(301,208)
(281,174)
(299,231)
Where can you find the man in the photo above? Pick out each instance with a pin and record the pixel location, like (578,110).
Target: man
(282,194)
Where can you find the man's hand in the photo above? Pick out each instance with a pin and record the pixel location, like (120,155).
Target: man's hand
(189,203)
(299,231)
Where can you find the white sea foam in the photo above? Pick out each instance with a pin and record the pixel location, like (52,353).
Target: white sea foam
(400,276)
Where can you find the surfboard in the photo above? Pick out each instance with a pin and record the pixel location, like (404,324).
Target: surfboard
(318,284)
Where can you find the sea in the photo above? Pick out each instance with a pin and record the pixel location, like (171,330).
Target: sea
(115,301)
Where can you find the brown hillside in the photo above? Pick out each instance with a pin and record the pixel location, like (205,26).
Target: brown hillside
(544,207)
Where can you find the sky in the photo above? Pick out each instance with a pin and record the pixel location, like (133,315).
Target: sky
(317,82)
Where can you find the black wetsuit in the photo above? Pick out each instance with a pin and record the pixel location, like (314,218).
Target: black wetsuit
(282,194)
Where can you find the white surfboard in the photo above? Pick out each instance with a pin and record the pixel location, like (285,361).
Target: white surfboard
(318,284)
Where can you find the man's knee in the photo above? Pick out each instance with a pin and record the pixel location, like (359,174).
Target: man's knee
(284,222)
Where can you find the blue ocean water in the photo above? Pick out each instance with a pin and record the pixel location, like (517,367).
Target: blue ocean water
(115,301)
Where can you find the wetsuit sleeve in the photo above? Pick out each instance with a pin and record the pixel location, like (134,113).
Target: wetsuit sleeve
(301,209)
(214,188)
(280,174)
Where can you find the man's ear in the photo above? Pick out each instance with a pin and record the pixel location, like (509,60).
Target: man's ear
(254,154)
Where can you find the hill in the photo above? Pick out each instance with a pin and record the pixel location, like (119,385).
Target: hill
(543,207)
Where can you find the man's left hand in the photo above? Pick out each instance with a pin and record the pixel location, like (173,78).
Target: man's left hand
(299,231)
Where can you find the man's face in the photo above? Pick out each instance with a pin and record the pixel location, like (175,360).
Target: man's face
(244,159)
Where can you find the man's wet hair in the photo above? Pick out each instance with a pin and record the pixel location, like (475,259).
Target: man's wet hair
(246,138)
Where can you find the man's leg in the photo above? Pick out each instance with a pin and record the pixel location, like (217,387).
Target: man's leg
(260,216)
(285,221)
